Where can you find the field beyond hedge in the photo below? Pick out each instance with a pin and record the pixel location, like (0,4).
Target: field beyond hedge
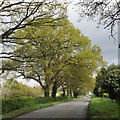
(103,108)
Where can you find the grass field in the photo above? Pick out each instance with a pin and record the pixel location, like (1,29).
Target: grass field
(103,108)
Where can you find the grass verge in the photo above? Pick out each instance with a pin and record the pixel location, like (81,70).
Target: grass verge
(80,96)
(31,108)
(103,108)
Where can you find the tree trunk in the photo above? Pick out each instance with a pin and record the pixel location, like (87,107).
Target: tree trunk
(75,94)
(68,93)
(46,91)
(54,91)
(63,92)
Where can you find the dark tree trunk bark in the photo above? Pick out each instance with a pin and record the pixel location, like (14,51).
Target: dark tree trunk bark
(46,91)
(63,92)
(70,92)
(54,91)
(75,94)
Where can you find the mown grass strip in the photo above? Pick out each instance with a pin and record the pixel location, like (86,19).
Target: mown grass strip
(103,108)
(31,108)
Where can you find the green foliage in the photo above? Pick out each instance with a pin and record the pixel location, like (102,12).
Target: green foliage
(112,83)
(61,55)
(27,109)
(104,108)
(108,80)
(9,104)
(12,88)
(16,103)
(106,95)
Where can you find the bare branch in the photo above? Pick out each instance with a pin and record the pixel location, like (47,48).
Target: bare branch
(107,12)
(2,3)
(8,6)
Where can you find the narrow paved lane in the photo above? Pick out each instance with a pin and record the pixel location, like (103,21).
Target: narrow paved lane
(72,109)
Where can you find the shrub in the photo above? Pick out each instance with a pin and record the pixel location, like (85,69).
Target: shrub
(96,92)
(11,104)
(108,80)
(16,103)
(106,95)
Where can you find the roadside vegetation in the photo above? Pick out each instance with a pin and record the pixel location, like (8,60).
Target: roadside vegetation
(18,98)
(108,82)
(104,108)
(13,108)
(18,103)
(106,101)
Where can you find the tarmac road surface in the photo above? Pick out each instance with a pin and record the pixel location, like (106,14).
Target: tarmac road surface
(72,109)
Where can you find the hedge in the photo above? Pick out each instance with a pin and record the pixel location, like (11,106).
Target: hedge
(9,105)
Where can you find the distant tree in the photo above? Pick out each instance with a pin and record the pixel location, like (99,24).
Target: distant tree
(12,88)
(106,11)
(6,92)
(80,66)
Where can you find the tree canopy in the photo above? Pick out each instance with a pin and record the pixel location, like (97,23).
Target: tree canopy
(57,56)
(20,14)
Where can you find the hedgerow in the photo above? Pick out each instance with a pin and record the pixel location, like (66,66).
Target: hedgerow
(9,104)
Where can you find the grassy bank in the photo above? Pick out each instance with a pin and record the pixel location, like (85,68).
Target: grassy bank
(103,108)
(31,108)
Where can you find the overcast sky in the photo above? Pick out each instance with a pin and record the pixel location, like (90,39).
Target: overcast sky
(99,36)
